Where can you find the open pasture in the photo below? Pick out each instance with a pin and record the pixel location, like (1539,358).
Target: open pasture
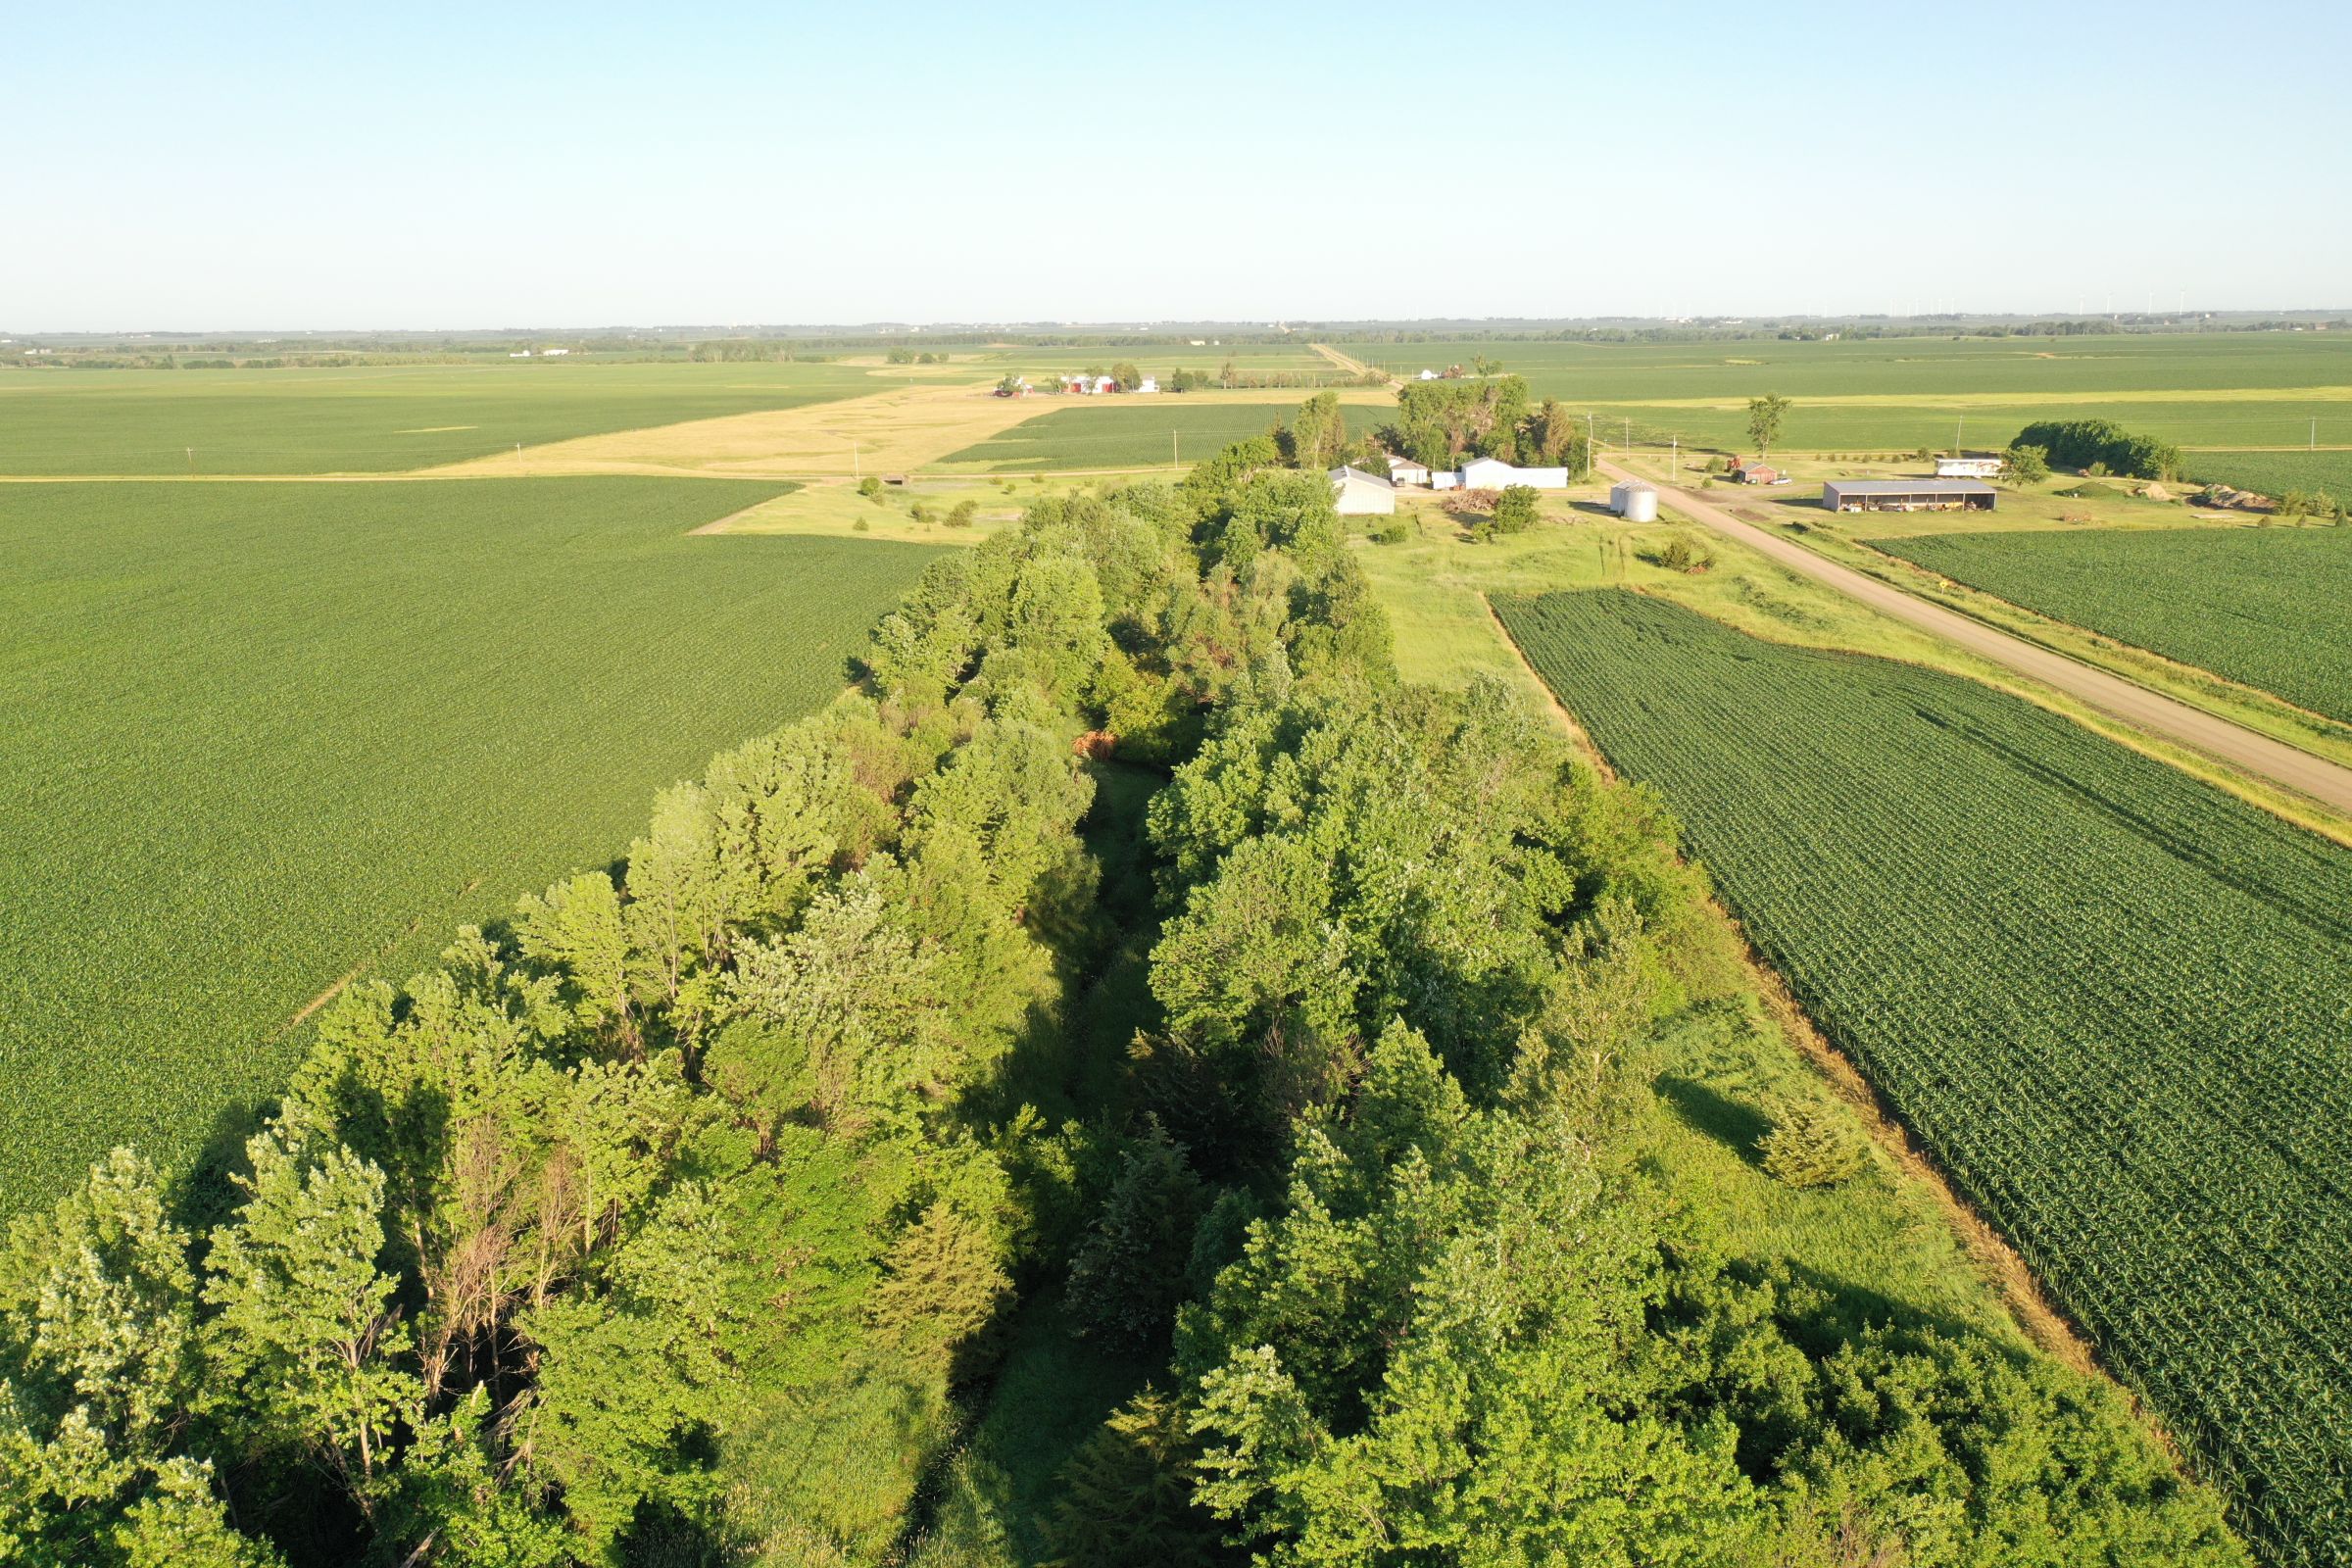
(2253,389)
(1136,433)
(261,733)
(373,418)
(2112,1002)
(2271,608)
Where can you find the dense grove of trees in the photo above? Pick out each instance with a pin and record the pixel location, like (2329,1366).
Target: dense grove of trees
(1444,421)
(2085,444)
(668,1221)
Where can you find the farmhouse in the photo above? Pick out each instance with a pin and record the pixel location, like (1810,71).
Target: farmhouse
(1356,493)
(1907,495)
(1976,466)
(1492,473)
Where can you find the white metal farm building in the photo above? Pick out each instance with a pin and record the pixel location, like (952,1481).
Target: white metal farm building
(1492,473)
(1356,494)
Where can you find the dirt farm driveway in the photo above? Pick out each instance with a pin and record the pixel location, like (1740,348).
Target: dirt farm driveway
(2276,761)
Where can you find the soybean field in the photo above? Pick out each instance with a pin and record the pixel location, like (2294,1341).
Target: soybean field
(2271,608)
(2116,1004)
(263,734)
(2275,473)
(368,418)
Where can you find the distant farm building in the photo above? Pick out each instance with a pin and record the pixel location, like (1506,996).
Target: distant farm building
(1150,383)
(1426,375)
(1634,501)
(1405,470)
(1756,472)
(553,353)
(1356,494)
(1089,384)
(1977,466)
(1907,495)
(1492,473)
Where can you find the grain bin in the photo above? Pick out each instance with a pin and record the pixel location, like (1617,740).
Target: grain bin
(1634,501)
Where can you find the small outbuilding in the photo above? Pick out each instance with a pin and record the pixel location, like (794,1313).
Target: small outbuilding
(1405,470)
(1756,472)
(1492,473)
(1634,501)
(1976,466)
(1907,495)
(1357,494)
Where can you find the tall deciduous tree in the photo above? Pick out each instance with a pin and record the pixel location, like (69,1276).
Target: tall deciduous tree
(1764,417)
(307,1338)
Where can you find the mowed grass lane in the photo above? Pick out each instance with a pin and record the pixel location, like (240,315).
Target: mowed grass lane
(259,733)
(2271,608)
(1136,433)
(376,419)
(2116,1004)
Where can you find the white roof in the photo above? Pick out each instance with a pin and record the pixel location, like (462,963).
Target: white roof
(1346,474)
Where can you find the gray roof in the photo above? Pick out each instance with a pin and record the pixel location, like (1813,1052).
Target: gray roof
(1908,488)
(1344,471)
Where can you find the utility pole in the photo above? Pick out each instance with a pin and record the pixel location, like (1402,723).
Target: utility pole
(1629,434)
(856,472)
(1676,458)
(192,452)
(1956,424)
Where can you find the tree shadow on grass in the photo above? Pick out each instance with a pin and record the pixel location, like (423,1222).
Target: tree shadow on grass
(1738,1127)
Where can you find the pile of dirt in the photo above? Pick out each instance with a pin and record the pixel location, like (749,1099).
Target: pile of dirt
(2229,499)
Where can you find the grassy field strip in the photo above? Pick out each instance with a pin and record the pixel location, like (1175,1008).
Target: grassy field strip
(2116,1007)
(262,734)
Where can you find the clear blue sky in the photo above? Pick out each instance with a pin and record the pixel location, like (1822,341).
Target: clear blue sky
(420,166)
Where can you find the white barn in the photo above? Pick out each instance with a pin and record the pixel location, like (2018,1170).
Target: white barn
(1492,473)
(1405,470)
(1357,494)
(1972,467)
